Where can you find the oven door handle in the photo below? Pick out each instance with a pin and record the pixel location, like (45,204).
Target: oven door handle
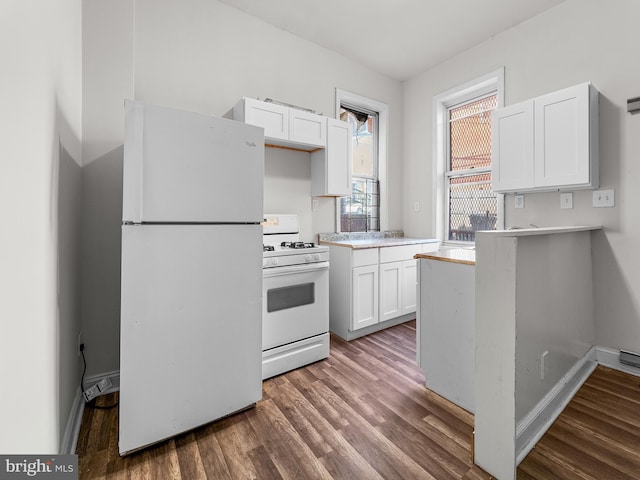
(302,268)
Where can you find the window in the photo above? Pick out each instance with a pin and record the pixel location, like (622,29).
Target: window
(364,210)
(465,200)
(360,212)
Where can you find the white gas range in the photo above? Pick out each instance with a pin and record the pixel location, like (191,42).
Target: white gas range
(295,312)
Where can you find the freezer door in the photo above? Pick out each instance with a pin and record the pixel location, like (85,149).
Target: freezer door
(187,167)
(191,327)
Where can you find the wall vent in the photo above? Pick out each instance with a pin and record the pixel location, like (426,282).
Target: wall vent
(630,358)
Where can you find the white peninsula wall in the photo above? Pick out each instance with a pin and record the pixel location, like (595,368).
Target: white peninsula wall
(535,333)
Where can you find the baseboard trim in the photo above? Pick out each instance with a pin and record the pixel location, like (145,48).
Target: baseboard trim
(531,428)
(72,430)
(611,358)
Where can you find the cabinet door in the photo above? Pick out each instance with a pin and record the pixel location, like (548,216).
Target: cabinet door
(562,138)
(365,297)
(331,167)
(273,118)
(512,144)
(409,286)
(307,128)
(338,157)
(390,290)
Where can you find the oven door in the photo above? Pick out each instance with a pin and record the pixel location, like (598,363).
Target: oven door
(295,303)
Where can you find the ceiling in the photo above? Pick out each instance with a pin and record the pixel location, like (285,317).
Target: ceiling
(398,38)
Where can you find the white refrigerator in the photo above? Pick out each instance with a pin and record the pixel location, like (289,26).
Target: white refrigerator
(191,295)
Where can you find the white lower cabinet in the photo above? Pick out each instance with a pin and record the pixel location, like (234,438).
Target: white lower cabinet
(365,296)
(397,289)
(390,290)
(409,286)
(371,288)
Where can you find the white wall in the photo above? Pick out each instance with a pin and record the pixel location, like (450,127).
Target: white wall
(200,55)
(203,55)
(577,41)
(107,68)
(40,44)
(554,312)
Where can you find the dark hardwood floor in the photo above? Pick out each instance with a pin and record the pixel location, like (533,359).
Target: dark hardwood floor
(364,413)
(597,436)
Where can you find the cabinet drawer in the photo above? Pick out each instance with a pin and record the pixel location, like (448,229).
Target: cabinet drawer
(399,253)
(365,256)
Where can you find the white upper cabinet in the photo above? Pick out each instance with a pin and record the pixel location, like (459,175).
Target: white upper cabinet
(273,118)
(328,140)
(331,168)
(548,143)
(512,147)
(307,128)
(565,144)
(283,125)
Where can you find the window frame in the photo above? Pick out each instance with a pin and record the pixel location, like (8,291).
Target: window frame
(474,89)
(382,109)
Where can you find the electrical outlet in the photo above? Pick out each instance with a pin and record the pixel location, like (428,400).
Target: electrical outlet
(518,201)
(104,384)
(100,387)
(603,198)
(79,343)
(314,205)
(416,207)
(566,200)
(91,393)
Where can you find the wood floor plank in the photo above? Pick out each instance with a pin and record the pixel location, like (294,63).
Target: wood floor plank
(262,464)
(364,413)
(597,436)
(289,453)
(343,466)
(213,459)
(433,458)
(600,421)
(601,448)
(384,456)
(189,459)
(300,414)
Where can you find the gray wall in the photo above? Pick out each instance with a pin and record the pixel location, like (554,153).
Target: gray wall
(577,41)
(107,68)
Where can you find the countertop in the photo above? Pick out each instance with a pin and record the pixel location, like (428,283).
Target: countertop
(465,256)
(378,242)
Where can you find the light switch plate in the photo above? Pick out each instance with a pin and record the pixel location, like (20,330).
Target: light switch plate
(566,200)
(518,201)
(603,198)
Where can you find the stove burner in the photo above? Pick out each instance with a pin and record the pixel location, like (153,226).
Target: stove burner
(297,245)
(268,248)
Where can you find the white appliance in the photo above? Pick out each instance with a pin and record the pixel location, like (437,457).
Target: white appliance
(295,314)
(191,296)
